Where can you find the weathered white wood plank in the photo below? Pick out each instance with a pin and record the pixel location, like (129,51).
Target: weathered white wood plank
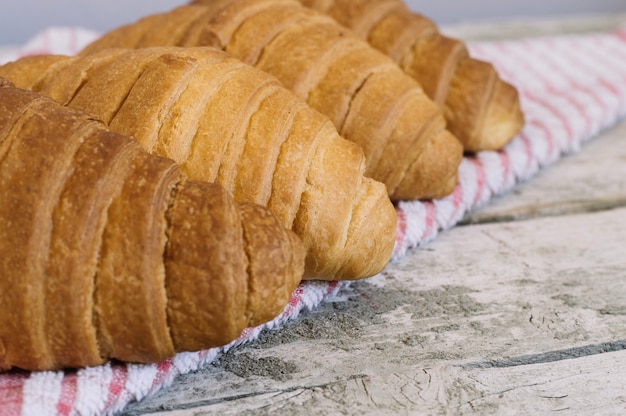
(477,294)
(587,385)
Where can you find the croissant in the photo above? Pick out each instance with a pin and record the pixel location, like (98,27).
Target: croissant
(481,109)
(370,100)
(225,122)
(108,252)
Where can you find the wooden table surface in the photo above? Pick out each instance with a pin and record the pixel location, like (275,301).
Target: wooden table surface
(519,309)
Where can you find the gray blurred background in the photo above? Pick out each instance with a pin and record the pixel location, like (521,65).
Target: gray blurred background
(21,19)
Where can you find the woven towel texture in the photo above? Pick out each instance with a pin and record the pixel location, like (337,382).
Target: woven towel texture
(571,87)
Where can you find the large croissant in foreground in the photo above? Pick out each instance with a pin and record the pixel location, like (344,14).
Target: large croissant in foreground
(108,252)
(371,101)
(481,109)
(228,123)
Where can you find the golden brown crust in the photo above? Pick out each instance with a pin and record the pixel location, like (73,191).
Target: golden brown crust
(63,80)
(245,100)
(343,182)
(470,90)
(482,115)
(182,123)
(257,164)
(395,32)
(5,83)
(29,198)
(216,125)
(100,167)
(196,299)
(270,33)
(358,15)
(154,92)
(270,249)
(258,29)
(11,109)
(26,76)
(393,117)
(368,117)
(108,84)
(242,130)
(295,74)
(88,236)
(403,150)
(439,181)
(130,291)
(371,213)
(437,72)
(336,91)
(224,18)
(504,117)
(294,161)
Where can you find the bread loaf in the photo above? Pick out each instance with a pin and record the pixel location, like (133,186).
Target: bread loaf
(481,109)
(228,123)
(370,100)
(109,252)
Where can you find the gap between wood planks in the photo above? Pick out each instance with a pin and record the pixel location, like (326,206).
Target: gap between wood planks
(558,208)
(551,356)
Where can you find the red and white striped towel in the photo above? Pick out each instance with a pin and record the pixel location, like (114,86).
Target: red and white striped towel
(572,87)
